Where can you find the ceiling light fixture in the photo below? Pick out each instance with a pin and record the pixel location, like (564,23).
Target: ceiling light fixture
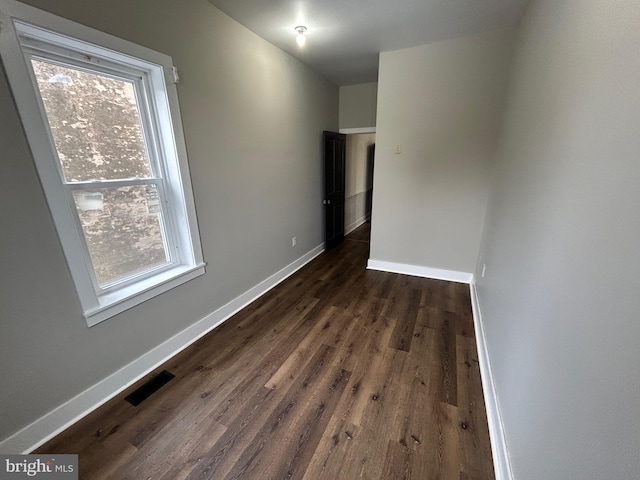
(301,39)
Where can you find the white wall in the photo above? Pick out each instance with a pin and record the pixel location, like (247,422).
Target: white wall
(358,105)
(442,103)
(253,119)
(358,180)
(560,298)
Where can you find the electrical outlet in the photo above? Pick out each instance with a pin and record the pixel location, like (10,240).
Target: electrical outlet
(293,241)
(484,269)
(398,149)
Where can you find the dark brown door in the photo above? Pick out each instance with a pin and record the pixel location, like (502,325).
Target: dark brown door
(334,169)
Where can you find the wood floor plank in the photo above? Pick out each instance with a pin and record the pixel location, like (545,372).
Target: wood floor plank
(368,369)
(249,379)
(256,456)
(423,396)
(365,456)
(328,461)
(464,315)
(353,346)
(448,366)
(398,462)
(164,455)
(389,397)
(223,455)
(301,355)
(300,441)
(91,465)
(339,372)
(448,454)
(475,454)
(408,305)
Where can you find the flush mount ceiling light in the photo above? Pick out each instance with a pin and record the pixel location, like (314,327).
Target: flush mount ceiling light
(300,39)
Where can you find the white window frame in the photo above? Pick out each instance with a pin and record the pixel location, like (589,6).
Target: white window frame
(25,30)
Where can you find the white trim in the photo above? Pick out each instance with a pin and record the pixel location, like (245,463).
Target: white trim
(419,271)
(499,450)
(60,418)
(119,301)
(351,227)
(351,131)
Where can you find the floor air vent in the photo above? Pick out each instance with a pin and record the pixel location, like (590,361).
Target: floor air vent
(149,388)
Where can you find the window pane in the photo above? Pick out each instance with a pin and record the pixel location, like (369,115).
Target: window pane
(95,123)
(123,230)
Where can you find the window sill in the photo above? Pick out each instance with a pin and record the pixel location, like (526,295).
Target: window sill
(116,302)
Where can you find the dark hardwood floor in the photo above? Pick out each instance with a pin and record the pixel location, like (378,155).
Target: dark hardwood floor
(337,373)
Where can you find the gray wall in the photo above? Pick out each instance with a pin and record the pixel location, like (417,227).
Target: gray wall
(358,105)
(442,103)
(253,119)
(560,297)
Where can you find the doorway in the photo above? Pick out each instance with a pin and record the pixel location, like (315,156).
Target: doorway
(360,154)
(348,172)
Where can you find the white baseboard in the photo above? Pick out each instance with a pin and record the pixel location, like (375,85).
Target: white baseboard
(501,464)
(418,271)
(48,426)
(350,131)
(351,227)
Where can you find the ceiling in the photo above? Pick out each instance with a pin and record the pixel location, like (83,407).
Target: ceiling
(344,37)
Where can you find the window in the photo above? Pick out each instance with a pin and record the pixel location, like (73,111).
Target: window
(101,116)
